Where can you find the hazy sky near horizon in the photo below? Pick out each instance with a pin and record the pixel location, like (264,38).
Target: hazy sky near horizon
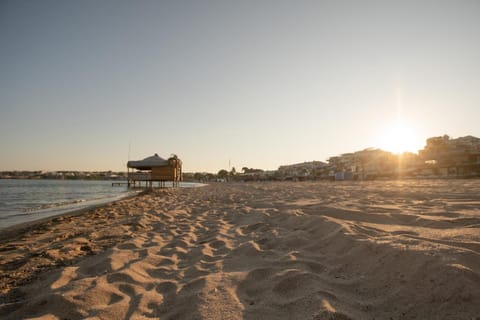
(85,85)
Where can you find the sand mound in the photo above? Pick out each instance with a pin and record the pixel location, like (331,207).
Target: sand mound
(384,250)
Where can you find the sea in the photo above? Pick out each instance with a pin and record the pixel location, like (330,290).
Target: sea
(29,200)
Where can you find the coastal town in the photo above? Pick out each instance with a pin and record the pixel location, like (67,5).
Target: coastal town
(442,157)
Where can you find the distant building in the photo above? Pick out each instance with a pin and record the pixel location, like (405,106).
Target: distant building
(302,170)
(452,157)
(364,164)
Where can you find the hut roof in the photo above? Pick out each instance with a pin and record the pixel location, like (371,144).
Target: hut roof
(148,163)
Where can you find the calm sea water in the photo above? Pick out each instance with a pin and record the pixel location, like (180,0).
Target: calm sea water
(28,200)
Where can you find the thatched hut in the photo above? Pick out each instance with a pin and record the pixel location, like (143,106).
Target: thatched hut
(154,168)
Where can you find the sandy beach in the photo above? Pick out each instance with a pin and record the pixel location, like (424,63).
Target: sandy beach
(305,250)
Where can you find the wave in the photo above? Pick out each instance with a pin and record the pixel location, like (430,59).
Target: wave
(52,205)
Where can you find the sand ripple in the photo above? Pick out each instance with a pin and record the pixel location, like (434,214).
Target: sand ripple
(312,250)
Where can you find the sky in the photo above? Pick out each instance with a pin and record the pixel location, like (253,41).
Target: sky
(88,85)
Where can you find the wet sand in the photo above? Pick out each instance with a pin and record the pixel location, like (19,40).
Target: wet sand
(309,250)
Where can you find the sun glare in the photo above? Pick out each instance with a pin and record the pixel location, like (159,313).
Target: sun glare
(400,139)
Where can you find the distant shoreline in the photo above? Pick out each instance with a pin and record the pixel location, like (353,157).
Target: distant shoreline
(53,178)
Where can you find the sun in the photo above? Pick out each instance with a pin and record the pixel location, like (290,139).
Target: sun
(399,139)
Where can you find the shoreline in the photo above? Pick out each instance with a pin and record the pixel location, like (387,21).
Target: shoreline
(6,232)
(73,208)
(79,225)
(289,250)
(53,209)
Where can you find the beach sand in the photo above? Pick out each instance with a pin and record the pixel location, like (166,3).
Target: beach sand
(306,250)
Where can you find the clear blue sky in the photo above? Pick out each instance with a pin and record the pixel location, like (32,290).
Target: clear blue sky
(259,83)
